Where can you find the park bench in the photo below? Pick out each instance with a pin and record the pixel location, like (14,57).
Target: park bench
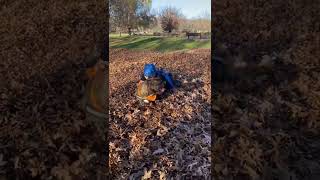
(157,34)
(193,34)
(175,34)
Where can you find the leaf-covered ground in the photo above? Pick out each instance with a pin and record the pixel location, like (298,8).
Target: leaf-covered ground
(266,120)
(44,52)
(44,133)
(168,139)
(266,115)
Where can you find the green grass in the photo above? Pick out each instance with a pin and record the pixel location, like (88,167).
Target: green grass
(162,44)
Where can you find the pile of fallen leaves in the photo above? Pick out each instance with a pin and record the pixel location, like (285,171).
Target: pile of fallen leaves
(45,48)
(266,115)
(168,139)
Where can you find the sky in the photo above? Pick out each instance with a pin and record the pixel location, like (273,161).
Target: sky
(189,8)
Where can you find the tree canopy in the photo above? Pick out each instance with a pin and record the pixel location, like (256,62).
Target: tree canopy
(130,14)
(170,19)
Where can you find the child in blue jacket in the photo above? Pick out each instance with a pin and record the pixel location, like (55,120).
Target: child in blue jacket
(152,81)
(150,71)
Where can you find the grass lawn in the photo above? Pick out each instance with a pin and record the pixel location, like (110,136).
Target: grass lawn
(162,44)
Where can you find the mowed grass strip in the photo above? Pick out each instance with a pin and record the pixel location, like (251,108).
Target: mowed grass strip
(155,43)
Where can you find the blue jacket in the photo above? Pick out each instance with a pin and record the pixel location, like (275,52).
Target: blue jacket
(151,71)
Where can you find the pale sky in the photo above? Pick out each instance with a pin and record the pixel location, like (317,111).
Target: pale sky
(189,8)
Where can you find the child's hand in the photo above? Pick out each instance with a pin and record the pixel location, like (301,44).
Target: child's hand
(162,90)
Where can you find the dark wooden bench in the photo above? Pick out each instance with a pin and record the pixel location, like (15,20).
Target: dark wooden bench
(193,34)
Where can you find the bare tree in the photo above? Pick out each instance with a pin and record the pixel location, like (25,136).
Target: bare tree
(201,23)
(205,15)
(129,14)
(169,18)
(146,18)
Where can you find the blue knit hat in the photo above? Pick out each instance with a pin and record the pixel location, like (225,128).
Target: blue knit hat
(149,70)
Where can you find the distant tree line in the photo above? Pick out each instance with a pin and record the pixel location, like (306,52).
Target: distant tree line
(171,19)
(126,15)
(129,15)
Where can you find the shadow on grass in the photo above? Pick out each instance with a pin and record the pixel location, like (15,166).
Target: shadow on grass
(139,43)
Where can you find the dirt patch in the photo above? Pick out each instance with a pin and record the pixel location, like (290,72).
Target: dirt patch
(171,138)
